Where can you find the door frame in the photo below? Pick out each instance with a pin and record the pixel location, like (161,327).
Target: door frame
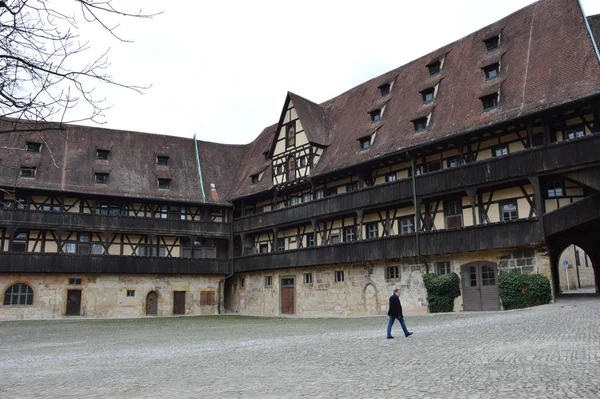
(293,290)
(479,267)
(67,302)
(147,295)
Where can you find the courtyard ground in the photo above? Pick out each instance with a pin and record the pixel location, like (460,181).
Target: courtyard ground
(547,351)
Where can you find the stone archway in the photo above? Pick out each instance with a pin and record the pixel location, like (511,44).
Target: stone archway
(370,301)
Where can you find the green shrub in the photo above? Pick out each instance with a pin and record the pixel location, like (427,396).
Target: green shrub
(441,291)
(523,290)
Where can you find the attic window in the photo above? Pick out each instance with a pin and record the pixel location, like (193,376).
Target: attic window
(164,184)
(254,179)
(375,116)
(162,161)
(428,95)
(434,68)
(489,102)
(290,135)
(492,43)
(365,143)
(101,178)
(420,124)
(34,148)
(28,173)
(213,187)
(384,89)
(102,155)
(491,71)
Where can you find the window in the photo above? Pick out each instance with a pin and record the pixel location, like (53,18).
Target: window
(452,162)
(352,187)
(349,234)
(294,201)
(213,187)
(281,244)
(420,124)
(279,169)
(102,155)
(254,179)
(33,148)
(491,71)
(391,177)
(375,116)
(75,281)
(500,150)
(97,249)
(365,143)
(434,68)
(306,197)
(164,184)
(291,172)
(384,89)
(443,268)
(573,134)
(101,178)
(508,211)
(410,171)
(147,251)
(20,241)
(488,277)
(492,43)
(18,294)
(453,213)
(489,102)
(434,165)
(555,189)
(307,278)
(130,293)
(319,194)
(268,281)
(428,95)
(162,161)
(372,230)
(28,173)
(290,135)
(310,239)
(339,276)
(392,272)
(302,162)
(407,225)
(334,237)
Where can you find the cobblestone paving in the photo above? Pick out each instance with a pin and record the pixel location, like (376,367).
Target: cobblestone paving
(551,351)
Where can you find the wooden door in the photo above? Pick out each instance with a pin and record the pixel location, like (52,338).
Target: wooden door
(480,286)
(287,296)
(73,303)
(151,304)
(179,302)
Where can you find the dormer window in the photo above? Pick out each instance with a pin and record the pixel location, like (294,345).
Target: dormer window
(162,161)
(434,68)
(164,184)
(375,116)
(491,71)
(290,135)
(428,95)
(101,178)
(254,179)
(420,124)
(489,102)
(102,155)
(34,148)
(365,143)
(384,89)
(28,173)
(492,43)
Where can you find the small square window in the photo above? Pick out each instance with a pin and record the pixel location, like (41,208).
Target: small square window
(491,71)
(352,187)
(384,89)
(164,184)
(508,211)
(372,231)
(28,173)
(254,179)
(34,148)
(310,239)
(392,272)
(407,225)
(130,293)
(162,161)
(339,276)
(365,143)
(319,194)
(443,268)
(75,281)
(268,281)
(349,234)
(428,95)
(102,155)
(101,178)
(489,102)
(420,125)
(213,187)
(391,177)
(264,248)
(307,278)
(453,162)
(555,189)
(500,150)
(434,68)
(492,43)
(375,116)
(573,134)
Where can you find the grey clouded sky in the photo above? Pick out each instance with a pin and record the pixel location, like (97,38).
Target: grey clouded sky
(221,69)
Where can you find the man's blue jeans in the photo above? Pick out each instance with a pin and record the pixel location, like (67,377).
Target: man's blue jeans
(391,323)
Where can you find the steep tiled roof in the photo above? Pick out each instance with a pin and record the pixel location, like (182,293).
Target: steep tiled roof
(312,116)
(594,21)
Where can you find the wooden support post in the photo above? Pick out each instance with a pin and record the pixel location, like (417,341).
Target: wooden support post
(360,213)
(529,135)
(275,243)
(471,192)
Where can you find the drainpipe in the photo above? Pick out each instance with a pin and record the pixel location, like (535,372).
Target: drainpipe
(230,262)
(417,206)
(589,29)
(199,170)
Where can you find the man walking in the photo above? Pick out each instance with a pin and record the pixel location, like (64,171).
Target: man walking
(395,312)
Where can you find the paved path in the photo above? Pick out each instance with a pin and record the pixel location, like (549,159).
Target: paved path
(548,351)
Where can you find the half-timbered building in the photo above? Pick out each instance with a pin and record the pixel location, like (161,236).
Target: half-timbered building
(480,157)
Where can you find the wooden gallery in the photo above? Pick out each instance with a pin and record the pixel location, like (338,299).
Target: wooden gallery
(480,157)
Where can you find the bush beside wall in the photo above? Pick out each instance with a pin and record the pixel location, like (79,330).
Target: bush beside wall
(441,291)
(523,290)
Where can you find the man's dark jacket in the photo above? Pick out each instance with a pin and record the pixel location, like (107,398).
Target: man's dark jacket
(395,307)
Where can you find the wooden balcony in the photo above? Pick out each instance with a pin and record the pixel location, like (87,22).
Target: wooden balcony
(572,215)
(557,157)
(477,238)
(27,219)
(11,262)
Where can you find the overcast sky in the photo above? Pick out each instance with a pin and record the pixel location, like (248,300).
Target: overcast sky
(221,69)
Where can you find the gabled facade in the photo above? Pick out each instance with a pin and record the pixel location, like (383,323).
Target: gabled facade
(478,158)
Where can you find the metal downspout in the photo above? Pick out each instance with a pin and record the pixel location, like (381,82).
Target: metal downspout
(417,211)
(199,170)
(589,29)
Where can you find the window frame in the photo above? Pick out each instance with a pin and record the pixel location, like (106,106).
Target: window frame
(490,102)
(350,234)
(420,124)
(365,143)
(101,178)
(102,155)
(392,273)
(384,89)
(13,298)
(268,281)
(443,266)
(488,69)
(339,276)
(32,147)
(375,116)
(162,161)
(501,147)
(28,172)
(577,133)
(164,184)
(372,230)
(556,184)
(434,68)
(402,225)
(307,278)
(290,135)
(511,202)
(492,43)
(426,94)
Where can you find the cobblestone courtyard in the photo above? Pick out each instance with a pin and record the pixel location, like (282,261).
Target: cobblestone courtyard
(548,351)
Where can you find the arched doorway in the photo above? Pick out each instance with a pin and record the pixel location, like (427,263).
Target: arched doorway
(370,299)
(480,286)
(151,304)
(576,271)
